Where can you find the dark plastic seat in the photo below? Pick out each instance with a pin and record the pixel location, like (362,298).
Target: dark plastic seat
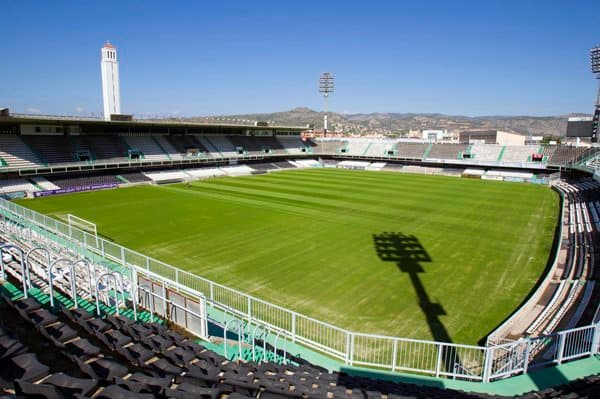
(191,345)
(180,356)
(165,368)
(83,347)
(61,332)
(95,326)
(119,321)
(114,339)
(156,384)
(139,330)
(157,342)
(30,390)
(102,369)
(43,317)
(71,385)
(186,390)
(137,353)
(27,304)
(77,316)
(208,374)
(26,367)
(116,392)
(10,346)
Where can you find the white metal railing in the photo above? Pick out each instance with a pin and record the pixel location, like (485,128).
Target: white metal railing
(470,362)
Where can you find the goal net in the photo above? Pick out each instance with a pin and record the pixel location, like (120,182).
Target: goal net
(82,224)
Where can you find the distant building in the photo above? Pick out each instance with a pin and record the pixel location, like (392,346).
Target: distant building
(110,81)
(491,137)
(433,134)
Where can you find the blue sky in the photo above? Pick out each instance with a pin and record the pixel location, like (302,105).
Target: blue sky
(202,58)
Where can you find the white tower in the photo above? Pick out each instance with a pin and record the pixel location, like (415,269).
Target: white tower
(110,81)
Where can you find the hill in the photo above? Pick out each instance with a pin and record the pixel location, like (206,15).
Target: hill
(402,123)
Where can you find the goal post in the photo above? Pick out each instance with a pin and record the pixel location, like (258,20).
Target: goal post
(82,224)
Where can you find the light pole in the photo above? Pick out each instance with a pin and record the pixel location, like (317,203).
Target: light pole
(325,87)
(595,67)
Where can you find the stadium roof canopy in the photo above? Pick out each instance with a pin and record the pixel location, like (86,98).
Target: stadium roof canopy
(97,125)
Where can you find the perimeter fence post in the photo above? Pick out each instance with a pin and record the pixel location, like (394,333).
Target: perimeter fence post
(526,355)
(487,363)
(561,347)
(596,340)
(294,327)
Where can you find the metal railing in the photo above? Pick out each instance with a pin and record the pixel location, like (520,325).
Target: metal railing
(476,363)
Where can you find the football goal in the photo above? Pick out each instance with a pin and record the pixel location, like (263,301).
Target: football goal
(82,224)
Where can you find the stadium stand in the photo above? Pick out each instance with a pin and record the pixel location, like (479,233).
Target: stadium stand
(295,145)
(565,154)
(105,148)
(410,150)
(133,177)
(358,147)
(548,151)
(284,165)
(330,146)
(522,153)
(69,182)
(167,176)
(43,183)
(166,147)
(15,152)
(16,185)
(259,144)
(379,148)
(447,151)
(52,149)
(184,144)
(486,152)
(147,146)
(221,144)
(204,173)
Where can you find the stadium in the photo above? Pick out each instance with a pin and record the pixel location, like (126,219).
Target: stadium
(172,259)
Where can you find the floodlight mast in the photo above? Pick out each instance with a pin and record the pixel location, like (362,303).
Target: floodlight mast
(325,87)
(595,67)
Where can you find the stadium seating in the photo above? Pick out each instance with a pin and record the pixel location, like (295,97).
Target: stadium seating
(330,146)
(358,147)
(379,148)
(184,143)
(519,153)
(16,185)
(447,151)
(147,146)
(44,183)
(220,144)
(106,148)
(163,143)
(565,154)
(52,149)
(486,152)
(295,145)
(15,152)
(257,145)
(70,182)
(410,150)
(134,177)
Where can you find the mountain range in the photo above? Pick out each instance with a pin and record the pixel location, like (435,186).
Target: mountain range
(398,124)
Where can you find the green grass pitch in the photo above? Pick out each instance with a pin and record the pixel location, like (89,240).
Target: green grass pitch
(304,239)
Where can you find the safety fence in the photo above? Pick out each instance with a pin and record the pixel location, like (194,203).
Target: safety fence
(475,363)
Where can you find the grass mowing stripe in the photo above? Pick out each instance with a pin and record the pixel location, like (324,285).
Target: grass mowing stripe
(305,240)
